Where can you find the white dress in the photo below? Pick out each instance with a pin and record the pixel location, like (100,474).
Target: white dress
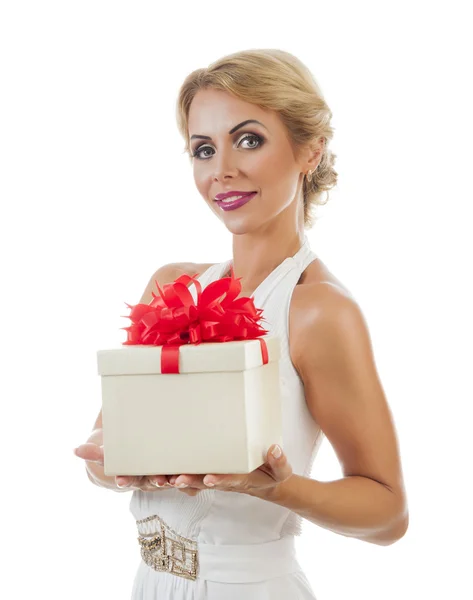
(245,545)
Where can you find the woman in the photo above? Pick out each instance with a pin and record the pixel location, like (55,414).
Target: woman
(257,130)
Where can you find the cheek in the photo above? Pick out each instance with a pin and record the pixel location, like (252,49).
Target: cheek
(261,169)
(281,165)
(267,170)
(201,183)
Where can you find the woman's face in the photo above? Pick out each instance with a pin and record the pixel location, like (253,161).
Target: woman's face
(253,158)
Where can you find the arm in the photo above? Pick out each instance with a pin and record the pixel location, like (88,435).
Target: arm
(333,354)
(354,506)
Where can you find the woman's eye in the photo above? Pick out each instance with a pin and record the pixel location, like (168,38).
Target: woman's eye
(199,150)
(251,137)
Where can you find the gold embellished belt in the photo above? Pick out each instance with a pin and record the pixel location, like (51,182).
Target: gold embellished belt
(163,549)
(166,550)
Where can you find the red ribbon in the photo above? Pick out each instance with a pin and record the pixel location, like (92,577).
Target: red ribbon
(173,319)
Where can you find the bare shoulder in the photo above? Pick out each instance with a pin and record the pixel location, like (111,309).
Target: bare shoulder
(168,273)
(319,299)
(318,274)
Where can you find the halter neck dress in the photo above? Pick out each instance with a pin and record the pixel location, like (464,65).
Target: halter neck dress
(245,544)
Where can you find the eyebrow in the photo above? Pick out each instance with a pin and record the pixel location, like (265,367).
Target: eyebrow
(206,137)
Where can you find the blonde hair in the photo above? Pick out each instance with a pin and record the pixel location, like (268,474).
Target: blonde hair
(274,80)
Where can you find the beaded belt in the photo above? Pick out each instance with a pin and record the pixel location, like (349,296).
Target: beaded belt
(163,549)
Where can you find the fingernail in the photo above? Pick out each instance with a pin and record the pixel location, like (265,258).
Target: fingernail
(182,485)
(209,483)
(277,452)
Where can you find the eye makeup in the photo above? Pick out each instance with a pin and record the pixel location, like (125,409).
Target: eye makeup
(248,136)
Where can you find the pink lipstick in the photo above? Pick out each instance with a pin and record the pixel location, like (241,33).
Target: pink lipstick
(231,205)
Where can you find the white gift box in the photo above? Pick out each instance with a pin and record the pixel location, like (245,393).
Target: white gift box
(219,414)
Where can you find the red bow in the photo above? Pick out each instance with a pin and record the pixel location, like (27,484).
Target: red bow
(173,318)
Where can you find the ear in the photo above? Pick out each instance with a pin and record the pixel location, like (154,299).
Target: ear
(314,154)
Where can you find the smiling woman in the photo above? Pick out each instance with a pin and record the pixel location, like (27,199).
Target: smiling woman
(280,89)
(257,131)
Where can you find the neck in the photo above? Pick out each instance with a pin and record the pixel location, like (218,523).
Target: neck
(255,257)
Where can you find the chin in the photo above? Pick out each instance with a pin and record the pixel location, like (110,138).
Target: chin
(241,227)
(241,224)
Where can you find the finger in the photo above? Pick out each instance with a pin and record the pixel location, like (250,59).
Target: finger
(143,482)
(224,481)
(147,486)
(275,452)
(127,480)
(122,481)
(193,481)
(158,480)
(177,479)
(278,462)
(91,452)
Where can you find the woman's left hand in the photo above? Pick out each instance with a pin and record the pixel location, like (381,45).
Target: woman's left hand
(261,481)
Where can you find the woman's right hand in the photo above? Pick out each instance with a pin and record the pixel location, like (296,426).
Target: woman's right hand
(93,452)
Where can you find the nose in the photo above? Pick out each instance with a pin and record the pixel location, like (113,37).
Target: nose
(224,165)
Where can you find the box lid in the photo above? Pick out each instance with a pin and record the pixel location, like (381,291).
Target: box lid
(237,355)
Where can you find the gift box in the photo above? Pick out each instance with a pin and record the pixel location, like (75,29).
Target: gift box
(195,388)
(219,414)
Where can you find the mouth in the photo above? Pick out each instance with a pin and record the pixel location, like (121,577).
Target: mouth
(234,202)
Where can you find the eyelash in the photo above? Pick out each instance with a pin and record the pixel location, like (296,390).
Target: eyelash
(260,140)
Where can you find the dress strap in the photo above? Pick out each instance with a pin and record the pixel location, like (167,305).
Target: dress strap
(290,268)
(297,263)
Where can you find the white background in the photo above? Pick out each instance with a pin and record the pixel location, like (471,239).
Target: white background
(96,194)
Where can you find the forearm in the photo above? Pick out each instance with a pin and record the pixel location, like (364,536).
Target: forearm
(95,471)
(354,506)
